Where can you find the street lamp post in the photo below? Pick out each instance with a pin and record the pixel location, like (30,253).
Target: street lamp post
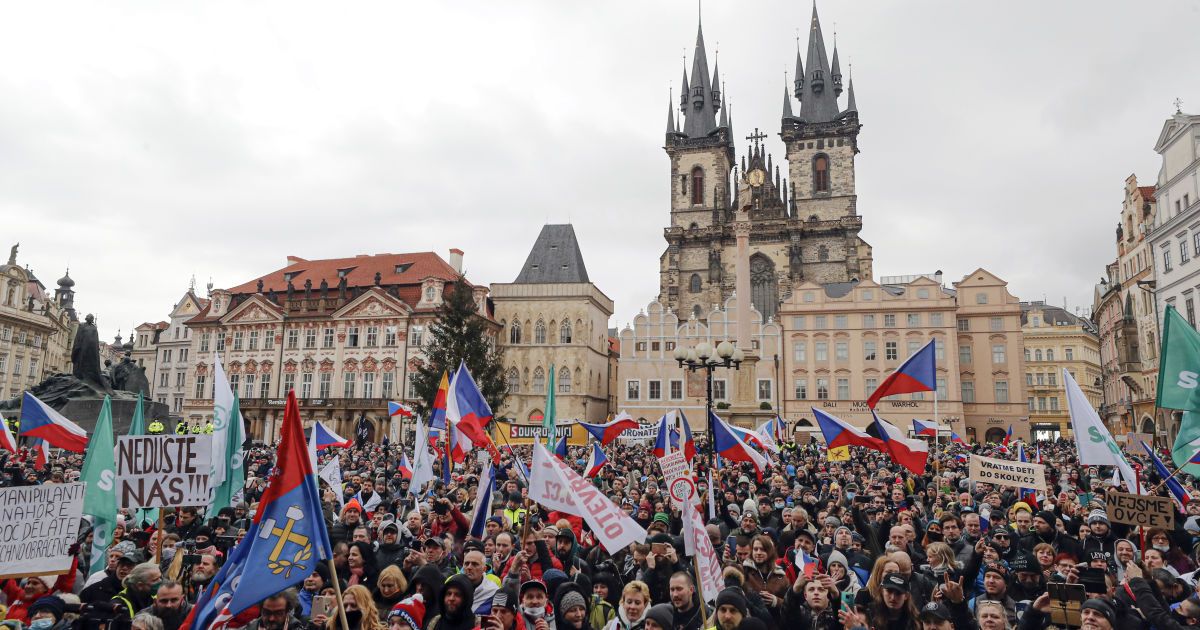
(705,357)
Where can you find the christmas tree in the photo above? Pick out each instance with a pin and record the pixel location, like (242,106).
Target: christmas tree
(461,333)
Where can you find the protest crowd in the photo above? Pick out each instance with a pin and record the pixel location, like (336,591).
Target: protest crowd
(813,543)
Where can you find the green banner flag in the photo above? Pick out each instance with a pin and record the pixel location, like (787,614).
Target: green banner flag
(229,491)
(550,416)
(1179,364)
(100,497)
(138,425)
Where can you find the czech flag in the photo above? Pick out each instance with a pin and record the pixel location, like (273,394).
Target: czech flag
(41,421)
(1007,436)
(405,468)
(399,409)
(1028,495)
(597,461)
(608,432)
(912,454)
(805,564)
(560,448)
(962,458)
(483,502)
(41,454)
(924,428)
(666,442)
(838,433)
(689,444)
(918,373)
(323,437)
(7,441)
(954,437)
(780,430)
(468,411)
(1180,495)
(727,444)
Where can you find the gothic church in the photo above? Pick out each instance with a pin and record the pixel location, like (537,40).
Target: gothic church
(805,226)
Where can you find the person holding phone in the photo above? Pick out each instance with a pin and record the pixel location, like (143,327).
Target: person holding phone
(813,603)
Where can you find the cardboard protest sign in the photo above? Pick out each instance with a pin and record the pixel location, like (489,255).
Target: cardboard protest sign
(38,525)
(1003,472)
(1133,443)
(644,433)
(155,471)
(1138,509)
(677,474)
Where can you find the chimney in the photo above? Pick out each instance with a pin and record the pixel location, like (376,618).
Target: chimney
(937,277)
(456,256)
(291,260)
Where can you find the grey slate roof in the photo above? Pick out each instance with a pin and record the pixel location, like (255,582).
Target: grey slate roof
(818,106)
(555,258)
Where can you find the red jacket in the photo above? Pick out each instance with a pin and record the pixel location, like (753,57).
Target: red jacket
(457,527)
(19,601)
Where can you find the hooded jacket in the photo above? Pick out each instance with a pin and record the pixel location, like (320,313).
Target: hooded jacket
(464,617)
(432,577)
(566,587)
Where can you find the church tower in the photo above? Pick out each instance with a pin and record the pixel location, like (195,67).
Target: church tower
(700,148)
(803,226)
(821,144)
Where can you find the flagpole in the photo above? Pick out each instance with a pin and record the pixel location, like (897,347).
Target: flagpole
(337,593)
(937,433)
(158,546)
(700,589)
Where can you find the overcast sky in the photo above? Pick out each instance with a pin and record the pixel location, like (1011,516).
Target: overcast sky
(142,143)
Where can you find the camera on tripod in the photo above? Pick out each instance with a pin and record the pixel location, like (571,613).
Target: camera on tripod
(190,557)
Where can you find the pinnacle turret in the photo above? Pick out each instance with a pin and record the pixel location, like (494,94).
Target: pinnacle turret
(835,73)
(787,102)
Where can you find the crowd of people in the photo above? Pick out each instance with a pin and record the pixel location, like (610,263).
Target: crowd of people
(863,543)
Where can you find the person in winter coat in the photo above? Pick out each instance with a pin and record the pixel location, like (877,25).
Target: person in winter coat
(1100,538)
(813,603)
(360,565)
(428,581)
(456,614)
(349,520)
(536,611)
(21,595)
(660,617)
(389,589)
(763,574)
(569,553)
(571,607)
(392,550)
(635,602)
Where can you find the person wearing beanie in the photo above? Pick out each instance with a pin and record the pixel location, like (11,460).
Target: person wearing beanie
(571,607)
(407,614)
(505,610)
(732,608)
(46,613)
(1045,530)
(660,617)
(1100,536)
(748,524)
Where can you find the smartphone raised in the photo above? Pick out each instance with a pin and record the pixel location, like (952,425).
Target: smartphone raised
(731,543)
(848,601)
(321,605)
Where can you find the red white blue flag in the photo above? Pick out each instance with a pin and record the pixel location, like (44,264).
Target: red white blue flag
(41,421)
(918,373)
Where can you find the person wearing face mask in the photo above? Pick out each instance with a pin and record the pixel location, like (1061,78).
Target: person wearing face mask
(47,614)
(140,586)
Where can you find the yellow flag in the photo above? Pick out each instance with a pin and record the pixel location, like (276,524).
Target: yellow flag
(839,454)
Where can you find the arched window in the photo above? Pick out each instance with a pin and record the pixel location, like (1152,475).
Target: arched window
(564,381)
(539,332)
(1028,358)
(564,332)
(539,381)
(1050,354)
(514,380)
(821,173)
(514,333)
(694,283)
(1037,355)
(697,186)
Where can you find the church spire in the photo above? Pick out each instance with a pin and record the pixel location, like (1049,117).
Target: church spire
(724,113)
(851,106)
(799,80)
(787,102)
(670,114)
(835,72)
(819,102)
(701,103)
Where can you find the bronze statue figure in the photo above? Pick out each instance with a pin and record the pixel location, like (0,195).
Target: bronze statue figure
(85,354)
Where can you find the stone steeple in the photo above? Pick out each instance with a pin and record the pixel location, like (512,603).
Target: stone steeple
(702,99)
(818,97)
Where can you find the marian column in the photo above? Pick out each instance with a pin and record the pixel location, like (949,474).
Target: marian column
(741,230)
(745,395)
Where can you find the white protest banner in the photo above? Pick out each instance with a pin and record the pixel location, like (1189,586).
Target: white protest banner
(1003,472)
(554,485)
(698,545)
(677,475)
(1095,444)
(38,525)
(644,433)
(155,471)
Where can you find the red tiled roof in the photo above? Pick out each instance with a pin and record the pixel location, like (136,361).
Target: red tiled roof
(361,272)
(1147,192)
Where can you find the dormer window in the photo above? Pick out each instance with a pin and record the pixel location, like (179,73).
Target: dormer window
(290,275)
(342,273)
(402,268)
(429,293)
